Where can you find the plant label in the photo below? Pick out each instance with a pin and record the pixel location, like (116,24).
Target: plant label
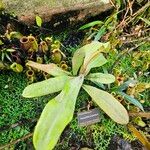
(88,117)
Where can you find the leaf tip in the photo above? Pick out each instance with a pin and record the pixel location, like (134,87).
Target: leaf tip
(25,93)
(125,119)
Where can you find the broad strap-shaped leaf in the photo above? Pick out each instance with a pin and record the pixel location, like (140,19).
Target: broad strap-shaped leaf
(96,61)
(100,33)
(96,49)
(101,78)
(94,58)
(45,87)
(108,104)
(56,115)
(84,52)
(77,60)
(100,85)
(51,68)
(126,84)
(131,100)
(91,24)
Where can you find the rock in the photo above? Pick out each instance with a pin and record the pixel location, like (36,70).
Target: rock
(56,11)
(118,143)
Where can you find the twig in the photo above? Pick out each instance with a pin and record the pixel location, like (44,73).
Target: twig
(147,39)
(130,4)
(20,123)
(124,17)
(140,114)
(131,18)
(129,8)
(16,141)
(112,3)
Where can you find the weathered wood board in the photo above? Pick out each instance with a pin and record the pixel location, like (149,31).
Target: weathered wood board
(73,10)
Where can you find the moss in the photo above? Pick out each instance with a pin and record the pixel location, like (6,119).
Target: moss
(104,131)
(14,108)
(13,134)
(95,136)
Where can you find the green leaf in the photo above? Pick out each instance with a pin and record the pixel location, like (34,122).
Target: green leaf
(2,65)
(77,60)
(97,61)
(45,87)
(80,54)
(96,47)
(145,20)
(15,34)
(87,52)
(8,57)
(108,104)
(10,50)
(3,56)
(1,43)
(38,21)
(91,24)
(131,100)
(100,85)
(126,84)
(51,68)
(56,115)
(101,78)
(93,57)
(118,3)
(100,33)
